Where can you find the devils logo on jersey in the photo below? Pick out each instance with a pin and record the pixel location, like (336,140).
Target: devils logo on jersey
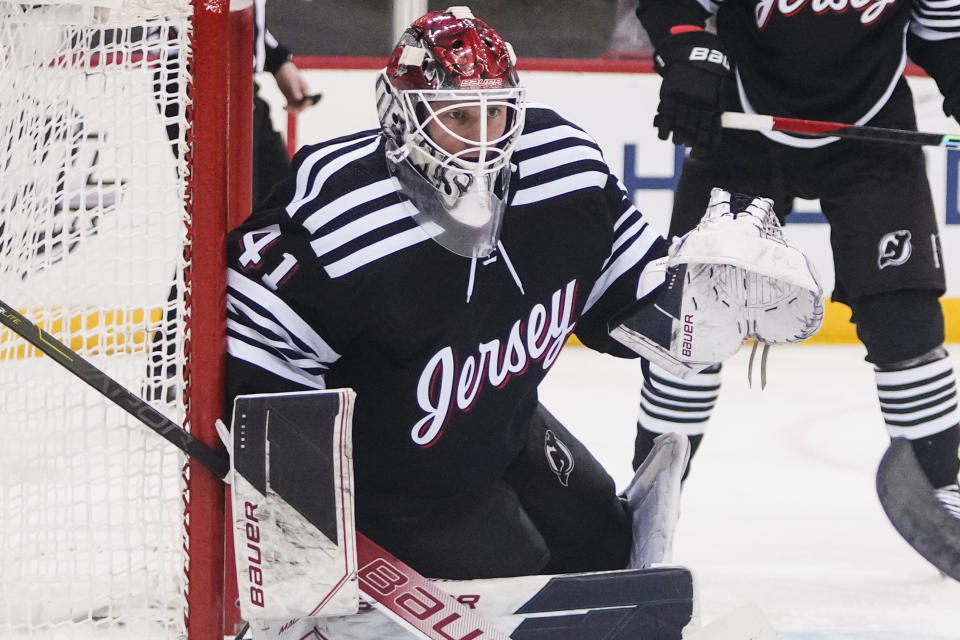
(894,249)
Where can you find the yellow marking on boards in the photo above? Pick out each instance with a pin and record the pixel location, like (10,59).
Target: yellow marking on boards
(837,329)
(127,331)
(87,331)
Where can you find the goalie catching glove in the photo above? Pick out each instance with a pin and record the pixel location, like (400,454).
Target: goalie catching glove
(731,278)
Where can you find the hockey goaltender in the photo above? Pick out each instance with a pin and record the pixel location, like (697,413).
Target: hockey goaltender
(436,267)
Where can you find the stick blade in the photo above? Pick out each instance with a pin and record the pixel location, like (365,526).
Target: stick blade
(908,499)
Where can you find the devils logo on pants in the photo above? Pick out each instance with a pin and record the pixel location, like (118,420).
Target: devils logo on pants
(558,456)
(894,249)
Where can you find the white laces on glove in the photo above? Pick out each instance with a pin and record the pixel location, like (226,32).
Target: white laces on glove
(763,364)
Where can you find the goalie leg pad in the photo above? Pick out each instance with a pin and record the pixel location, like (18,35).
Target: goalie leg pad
(653,500)
(613,605)
(292,505)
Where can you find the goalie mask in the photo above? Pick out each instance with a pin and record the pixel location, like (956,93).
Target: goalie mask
(451,108)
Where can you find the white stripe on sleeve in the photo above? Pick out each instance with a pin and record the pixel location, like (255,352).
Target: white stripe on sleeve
(557,158)
(551,134)
(286,319)
(558,187)
(371,221)
(272,363)
(301,194)
(633,255)
(348,201)
(376,251)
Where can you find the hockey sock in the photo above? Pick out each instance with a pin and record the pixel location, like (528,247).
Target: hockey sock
(669,403)
(919,403)
(643,445)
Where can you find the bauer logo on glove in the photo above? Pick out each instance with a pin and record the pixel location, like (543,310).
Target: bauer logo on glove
(731,278)
(706,54)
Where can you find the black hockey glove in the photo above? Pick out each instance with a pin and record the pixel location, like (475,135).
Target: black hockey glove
(694,67)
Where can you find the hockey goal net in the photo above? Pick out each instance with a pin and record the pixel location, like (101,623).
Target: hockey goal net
(112,215)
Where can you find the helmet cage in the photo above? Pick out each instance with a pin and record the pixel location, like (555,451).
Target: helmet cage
(455,58)
(491,155)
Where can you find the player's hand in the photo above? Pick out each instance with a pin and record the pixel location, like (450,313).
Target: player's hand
(293,87)
(694,67)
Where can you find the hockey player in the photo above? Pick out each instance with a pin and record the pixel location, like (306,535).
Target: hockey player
(270,160)
(437,266)
(838,61)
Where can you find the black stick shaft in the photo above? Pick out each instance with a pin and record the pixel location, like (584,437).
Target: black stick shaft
(217,462)
(819,128)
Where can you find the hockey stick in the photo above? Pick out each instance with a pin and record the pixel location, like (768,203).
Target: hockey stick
(402,593)
(908,500)
(116,393)
(820,129)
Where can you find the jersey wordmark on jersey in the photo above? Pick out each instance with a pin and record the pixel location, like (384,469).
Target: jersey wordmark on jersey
(445,381)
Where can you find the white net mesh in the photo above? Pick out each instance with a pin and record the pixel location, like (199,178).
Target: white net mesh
(93,103)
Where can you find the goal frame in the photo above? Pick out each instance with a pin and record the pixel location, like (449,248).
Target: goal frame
(218,197)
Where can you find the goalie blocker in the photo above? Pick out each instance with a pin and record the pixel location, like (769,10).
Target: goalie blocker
(731,278)
(296,552)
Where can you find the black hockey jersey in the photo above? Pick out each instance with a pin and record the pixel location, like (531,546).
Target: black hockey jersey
(332,285)
(268,54)
(835,60)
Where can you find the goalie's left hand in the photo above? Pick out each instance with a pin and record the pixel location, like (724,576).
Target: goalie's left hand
(731,278)
(773,280)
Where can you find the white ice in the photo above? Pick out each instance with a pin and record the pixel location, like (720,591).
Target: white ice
(780,507)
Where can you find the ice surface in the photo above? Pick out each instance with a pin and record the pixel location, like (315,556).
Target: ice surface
(780,507)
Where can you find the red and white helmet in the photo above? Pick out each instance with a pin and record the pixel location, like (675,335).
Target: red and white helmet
(449,56)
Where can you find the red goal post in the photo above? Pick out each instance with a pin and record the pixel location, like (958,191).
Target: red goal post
(125,151)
